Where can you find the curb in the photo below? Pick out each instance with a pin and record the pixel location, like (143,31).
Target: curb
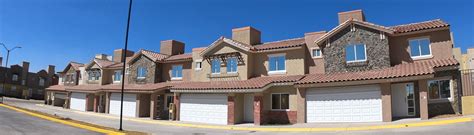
(275,129)
(87,127)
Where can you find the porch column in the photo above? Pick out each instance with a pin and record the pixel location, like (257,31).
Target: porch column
(423,87)
(177,104)
(107,102)
(386,102)
(258,109)
(153,105)
(96,99)
(301,108)
(230,109)
(68,100)
(137,105)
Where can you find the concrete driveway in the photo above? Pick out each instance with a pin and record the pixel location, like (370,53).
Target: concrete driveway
(466,128)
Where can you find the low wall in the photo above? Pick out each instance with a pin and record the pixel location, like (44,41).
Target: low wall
(467,105)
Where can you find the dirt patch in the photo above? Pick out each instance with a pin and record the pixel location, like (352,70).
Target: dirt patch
(84,123)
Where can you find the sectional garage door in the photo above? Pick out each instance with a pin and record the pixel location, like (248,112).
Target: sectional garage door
(344,104)
(129,104)
(78,101)
(204,108)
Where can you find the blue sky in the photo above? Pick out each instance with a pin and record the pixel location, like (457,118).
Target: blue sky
(58,31)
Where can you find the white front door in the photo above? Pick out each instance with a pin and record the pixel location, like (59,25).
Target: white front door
(403,100)
(344,104)
(78,101)
(129,104)
(204,108)
(248,108)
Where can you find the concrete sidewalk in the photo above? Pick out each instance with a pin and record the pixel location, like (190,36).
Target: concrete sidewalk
(173,127)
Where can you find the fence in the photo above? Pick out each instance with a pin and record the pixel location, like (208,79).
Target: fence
(467,78)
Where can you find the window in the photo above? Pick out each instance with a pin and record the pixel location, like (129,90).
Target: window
(232,65)
(277,63)
(438,89)
(141,72)
(198,65)
(117,75)
(177,72)
(97,75)
(420,47)
(41,81)
(355,53)
(280,101)
(216,66)
(15,77)
(316,53)
(169,99)
(93,75)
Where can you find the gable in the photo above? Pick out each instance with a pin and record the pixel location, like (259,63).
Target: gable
(225,48)
(139,57)
(349,24)
(222,41)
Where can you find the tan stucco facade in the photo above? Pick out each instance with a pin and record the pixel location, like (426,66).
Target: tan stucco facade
(267,97)
(468,105)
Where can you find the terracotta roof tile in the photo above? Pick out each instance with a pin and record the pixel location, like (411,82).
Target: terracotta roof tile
(104,63)
(76,65)
(153,55)
(289,43)
(253,83)
(186,56)
(419,26)
(401,70)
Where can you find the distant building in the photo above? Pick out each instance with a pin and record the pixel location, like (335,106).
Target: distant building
(21,83)
(466,60)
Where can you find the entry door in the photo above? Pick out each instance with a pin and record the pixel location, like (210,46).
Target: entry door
(403,100)
(248,108)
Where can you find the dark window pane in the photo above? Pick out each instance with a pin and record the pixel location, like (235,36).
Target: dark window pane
(411,103)
(445,89)
(275,101)
(433,89)
(285,98)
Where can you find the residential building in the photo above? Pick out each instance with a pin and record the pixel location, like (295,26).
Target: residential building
(357,72)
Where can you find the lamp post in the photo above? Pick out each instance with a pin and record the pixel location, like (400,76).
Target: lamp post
(6,66)
(124,54)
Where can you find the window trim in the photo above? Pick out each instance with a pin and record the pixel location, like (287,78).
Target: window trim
(195,64)
(236,65)
(172,73)
(355,55)
(320,52)
(271,102)
(419,47)
(276,71)
(451,90)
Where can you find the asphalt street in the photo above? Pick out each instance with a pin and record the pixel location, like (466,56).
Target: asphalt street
(16,123)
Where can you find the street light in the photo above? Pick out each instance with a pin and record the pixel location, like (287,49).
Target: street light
(124,54)
(6,66)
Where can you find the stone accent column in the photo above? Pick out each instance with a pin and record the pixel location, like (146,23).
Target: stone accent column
(258,109)
(153,105)
(386,102)
(177,104)
(107,102)
(423,88)
(301,108)
(137,105)
(231,109)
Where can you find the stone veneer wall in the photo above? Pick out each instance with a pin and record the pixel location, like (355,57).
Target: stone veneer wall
(151,69)
(377,50)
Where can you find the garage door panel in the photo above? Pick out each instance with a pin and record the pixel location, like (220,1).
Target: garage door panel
(78,101)
(129,104)
(344,104)
(204,108)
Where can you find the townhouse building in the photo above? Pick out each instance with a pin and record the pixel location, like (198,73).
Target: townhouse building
(357,72)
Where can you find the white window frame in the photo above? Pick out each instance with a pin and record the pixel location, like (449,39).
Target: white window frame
(119,71)
(141,77)
(166,100)
(196,64)
(271,102)
(451,91)
(236,63)
(276,71)
(419,48)
(355,53)
(320,53)
(212,66)
(172,73)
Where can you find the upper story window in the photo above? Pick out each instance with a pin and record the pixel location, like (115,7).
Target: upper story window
(277,63)
(198,65)
(141,72)
(41,81)
(420,47)
(117,75)
(177,72)
(232,65)
(15,77)
(216,66)
(439,89)
(356,53)
(93,75)
(316,53)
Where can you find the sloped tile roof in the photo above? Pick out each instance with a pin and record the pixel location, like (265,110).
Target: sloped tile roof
(57,88)
(438,23)
(104,63)
(153,55)
(401,70)
(186,56)
(76,65)
(289,43)
(136,87)
(253,83)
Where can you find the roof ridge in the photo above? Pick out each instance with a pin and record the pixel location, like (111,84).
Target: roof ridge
(152,51)
(290,39)
(414,23)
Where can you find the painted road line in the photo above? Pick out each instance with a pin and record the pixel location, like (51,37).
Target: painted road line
(87,127)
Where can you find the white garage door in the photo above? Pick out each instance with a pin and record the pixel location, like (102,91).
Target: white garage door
(344,104)
(129,104)
(78,101)
(204,108)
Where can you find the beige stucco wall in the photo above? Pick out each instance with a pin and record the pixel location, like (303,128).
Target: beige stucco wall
(167,69)
(267,97)
(468,105)
(441,46)
(239,108)
(295,63)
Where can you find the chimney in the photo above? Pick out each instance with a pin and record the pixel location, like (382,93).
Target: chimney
(354,14)
(171,47)
(248,35)
(311,37)
(24,72)
(50,74)
(1,61)
(101,56)
(118,54)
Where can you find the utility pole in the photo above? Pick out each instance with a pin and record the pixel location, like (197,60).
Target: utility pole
(124,54)
(6,66)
